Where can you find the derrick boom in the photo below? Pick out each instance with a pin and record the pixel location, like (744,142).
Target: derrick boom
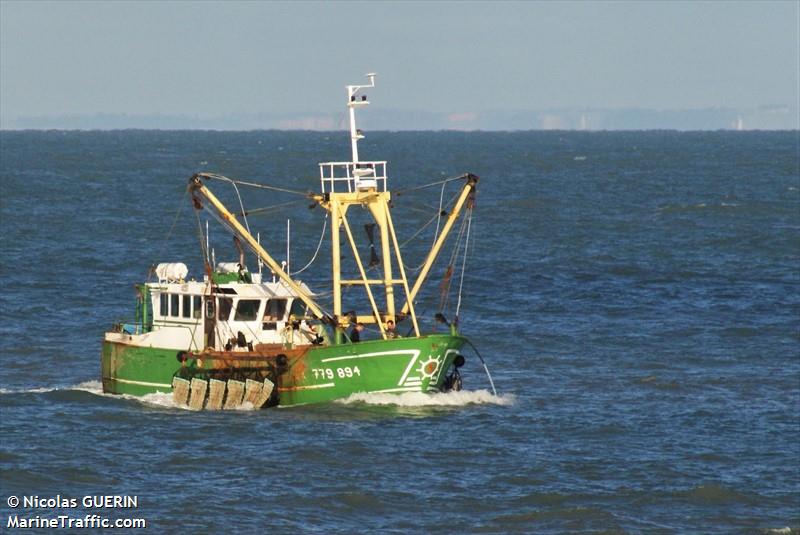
(198,189)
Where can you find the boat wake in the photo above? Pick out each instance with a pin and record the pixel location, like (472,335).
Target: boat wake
(404,399)
(7,391)
(96,388)
(93,387)
(159,399)
(420,399)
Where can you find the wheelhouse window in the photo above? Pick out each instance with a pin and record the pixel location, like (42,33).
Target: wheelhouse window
(163,301)
(298,309)
(247,309)
(224,307)
(186,310)
(174,305)
(196,306)
(276,309)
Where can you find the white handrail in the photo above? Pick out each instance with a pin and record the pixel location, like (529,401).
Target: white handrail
(355,175)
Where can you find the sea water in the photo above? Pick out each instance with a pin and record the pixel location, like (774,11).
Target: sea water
(636,297)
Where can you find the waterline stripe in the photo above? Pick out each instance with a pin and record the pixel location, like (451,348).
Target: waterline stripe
(140,383)
(306,387)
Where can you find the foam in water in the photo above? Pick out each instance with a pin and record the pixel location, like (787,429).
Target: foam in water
(27,390)
(158,399)
(404,399)
(96,387)
(421,399)
(93,387)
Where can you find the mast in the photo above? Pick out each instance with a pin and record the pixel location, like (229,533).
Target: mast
(352,103)
(363,183)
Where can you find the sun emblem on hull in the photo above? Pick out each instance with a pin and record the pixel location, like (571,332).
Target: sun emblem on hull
(429,367)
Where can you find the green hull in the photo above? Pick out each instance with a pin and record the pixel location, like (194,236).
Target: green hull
(306,375)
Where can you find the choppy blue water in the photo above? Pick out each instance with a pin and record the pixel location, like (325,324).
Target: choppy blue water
(636,296)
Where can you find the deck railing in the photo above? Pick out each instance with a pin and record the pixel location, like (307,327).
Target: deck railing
(341,177)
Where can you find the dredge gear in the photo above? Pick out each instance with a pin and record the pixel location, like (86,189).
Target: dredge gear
(246,379)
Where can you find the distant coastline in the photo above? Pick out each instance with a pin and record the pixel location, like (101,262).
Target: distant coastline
(762,118)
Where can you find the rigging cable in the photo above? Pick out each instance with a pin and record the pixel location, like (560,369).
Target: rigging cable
(200,237)
(224,224)
(437,215)
(169,234)
(489,375)
(464,263)
(441,198)
(272,208)
(447,282)
(445,181)
(253,184)
(236,189)
(319,246)
(210,279)
(423,227)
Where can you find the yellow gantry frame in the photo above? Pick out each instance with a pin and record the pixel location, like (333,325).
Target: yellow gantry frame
(377,202)
(337,204)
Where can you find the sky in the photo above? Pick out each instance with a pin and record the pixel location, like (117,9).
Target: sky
(213,59)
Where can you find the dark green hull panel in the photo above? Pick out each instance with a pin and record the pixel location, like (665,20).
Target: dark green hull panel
(313,374)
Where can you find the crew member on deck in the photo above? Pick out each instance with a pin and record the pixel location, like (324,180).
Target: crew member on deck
(390,330)
(355,334)
(319,335)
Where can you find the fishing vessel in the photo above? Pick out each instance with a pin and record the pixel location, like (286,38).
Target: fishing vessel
(230,337)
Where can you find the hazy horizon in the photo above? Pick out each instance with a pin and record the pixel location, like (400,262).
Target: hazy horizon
(410,120)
